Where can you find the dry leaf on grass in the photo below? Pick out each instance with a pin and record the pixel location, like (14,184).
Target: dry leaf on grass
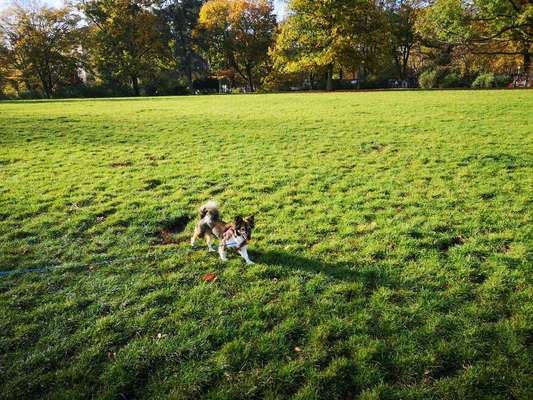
(209,277)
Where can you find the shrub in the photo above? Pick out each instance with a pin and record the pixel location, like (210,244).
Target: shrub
(205,85)
(428,79)
(374,82)
(88,91)
(8,92)
(502,80)
(484,81)
(166,83)
(450,81)
(343,84)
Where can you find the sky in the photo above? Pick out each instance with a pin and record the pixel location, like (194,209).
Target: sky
(5,3)
(278,4)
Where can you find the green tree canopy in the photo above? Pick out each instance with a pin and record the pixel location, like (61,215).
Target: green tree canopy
(181,17)
(128,43)
(41,48)
(402,15)
(321,34)
(485,27)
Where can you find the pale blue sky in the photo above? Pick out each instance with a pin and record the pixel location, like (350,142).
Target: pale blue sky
(5,3)
(278,4)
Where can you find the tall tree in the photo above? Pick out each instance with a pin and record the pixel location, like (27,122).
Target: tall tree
(128,42)
(237,35)
(181,17)
(308,39)
(4,64)
(485,27)
(319,35)
(41,46)
(402,25)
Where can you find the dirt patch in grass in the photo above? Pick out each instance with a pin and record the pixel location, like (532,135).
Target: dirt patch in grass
(173,227)
(125,164)
(446,243)
(369,147)
(152,184)
(167,237)
(487,196)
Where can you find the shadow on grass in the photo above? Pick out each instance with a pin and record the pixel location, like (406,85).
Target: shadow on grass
(371,276)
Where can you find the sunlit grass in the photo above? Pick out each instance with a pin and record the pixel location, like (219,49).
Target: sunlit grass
(393,247)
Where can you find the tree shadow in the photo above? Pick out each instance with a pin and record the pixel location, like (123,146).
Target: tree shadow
(370,275)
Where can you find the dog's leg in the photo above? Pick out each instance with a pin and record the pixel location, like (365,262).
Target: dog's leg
(209,240)
(244,253)
(222,253)
(198,233)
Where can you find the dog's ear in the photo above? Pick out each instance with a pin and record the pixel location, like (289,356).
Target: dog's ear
(238,220)
(250,221)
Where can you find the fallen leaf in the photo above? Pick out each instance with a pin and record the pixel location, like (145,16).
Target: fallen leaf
(209,277)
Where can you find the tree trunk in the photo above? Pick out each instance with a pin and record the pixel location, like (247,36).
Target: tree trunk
(527,63)
(250,79)
(47,92)
(329,83)
(188,75)
(405,61)
(50,85)
(44,83)
(46,78)
(29,86)
(188,71)
(135,84)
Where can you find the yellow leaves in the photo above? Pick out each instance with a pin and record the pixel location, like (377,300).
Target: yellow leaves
(237,33)
(526,15)
(214,14)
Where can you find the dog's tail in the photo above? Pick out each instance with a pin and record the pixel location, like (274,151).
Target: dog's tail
(211,208)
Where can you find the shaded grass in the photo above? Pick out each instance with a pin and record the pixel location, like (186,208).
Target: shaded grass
(393,245)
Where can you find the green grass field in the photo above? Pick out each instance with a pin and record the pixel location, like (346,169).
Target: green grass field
(394,247)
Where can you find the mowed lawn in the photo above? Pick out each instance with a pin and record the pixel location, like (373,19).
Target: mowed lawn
(394,247)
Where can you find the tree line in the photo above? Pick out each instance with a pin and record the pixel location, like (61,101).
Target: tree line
(168,47)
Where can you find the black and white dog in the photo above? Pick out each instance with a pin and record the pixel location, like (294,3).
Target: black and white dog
(230,236)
